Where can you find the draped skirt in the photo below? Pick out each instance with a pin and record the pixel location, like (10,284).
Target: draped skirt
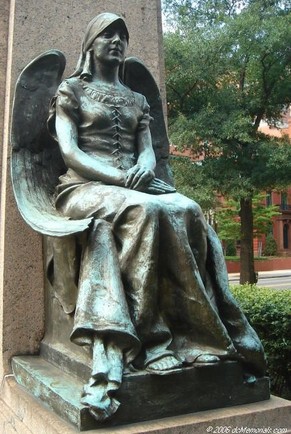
(153,279)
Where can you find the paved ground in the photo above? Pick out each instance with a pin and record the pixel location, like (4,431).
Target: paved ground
(278,279)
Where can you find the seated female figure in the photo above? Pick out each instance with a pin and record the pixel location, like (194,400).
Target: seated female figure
(153,291)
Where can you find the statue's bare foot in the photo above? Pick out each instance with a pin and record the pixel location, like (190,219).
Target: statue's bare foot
(207,358)
(202,358)
(250,379)
(164,365)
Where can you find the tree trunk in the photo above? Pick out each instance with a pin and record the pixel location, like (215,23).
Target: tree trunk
(247,266)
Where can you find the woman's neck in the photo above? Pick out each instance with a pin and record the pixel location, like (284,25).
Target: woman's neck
(107,74)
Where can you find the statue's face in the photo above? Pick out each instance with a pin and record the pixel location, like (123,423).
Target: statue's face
(110,45)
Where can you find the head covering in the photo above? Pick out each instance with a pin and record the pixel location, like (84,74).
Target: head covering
(94,28)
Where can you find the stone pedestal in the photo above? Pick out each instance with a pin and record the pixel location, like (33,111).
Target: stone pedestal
(142,396)
(20,413)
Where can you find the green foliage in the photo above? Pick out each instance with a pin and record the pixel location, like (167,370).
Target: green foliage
(270,246)
(237,258)
(232,258)
(230,249)
(183,132)
(228,68)
(269,312)
(190,181)
(263,215)
(228,221)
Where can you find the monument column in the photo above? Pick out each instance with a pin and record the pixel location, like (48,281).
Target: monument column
(28,28)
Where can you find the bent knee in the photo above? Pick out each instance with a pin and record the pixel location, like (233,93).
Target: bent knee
(150,208)
(187,205)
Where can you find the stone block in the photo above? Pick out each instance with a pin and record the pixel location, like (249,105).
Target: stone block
(142,396)
(20,413)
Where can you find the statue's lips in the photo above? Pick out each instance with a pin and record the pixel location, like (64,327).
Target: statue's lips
(115,50)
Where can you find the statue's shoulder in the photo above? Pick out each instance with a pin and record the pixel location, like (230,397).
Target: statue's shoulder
(71,84)
(140,99)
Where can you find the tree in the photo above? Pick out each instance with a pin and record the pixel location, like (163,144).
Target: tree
(228,218)
(228,68)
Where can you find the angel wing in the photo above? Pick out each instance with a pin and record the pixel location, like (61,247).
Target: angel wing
(138,78)
(36,162)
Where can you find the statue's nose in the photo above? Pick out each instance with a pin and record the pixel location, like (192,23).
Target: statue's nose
(116,38)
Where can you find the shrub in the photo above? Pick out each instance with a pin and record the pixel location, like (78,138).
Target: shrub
(270,246)
(230,249)
(269,312)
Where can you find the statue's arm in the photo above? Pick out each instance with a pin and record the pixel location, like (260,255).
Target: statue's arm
(140,175)
(85,165)
(146,155)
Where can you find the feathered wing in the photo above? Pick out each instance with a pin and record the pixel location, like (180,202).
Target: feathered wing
(36,161)
(138,78)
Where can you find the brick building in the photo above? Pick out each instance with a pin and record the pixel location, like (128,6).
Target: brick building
(282,222)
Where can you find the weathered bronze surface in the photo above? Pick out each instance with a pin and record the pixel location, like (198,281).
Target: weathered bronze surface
(135,275)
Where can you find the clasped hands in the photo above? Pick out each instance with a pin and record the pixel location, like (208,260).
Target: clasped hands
(143,179)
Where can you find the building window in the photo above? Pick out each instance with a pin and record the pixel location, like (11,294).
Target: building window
(284,201)
(285,236)
(269,198)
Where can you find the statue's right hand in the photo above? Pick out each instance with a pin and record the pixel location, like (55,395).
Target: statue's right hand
(139,177)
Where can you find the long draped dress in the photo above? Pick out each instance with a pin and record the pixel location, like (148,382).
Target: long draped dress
(152,277)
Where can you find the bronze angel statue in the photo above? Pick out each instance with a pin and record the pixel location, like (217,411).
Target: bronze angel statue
(148,287)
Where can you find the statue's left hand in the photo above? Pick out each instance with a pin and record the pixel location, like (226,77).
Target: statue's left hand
(139,177)
(157,186)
